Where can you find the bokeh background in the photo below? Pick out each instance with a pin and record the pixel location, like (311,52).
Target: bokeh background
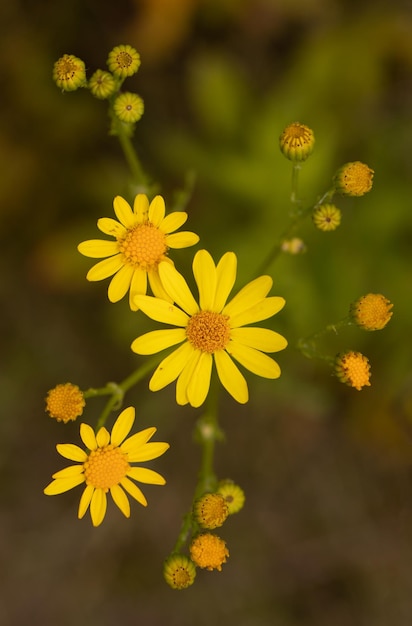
(326,534)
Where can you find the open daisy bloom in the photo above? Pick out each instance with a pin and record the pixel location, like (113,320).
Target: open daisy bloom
(143,236)
(211,330)
(106,466)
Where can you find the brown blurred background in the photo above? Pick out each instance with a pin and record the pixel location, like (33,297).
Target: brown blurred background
(325,537)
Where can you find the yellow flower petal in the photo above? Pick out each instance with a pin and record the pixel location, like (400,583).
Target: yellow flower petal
(149,451)
(122,426)
(199,384)
(144,475)
(156,285)
(124,212)
(134,491)
(141,207)
(173,221)
(69,472)
(170,368)
(120,499)
(102,437)
(133,444)
(138,286)
(61,485)
(111,227)
(185,377)
(262,310)
(183,239)
(88,437)
(98,248)
(120,283)
(158,340)
(157,210)
(259,338)
(105,268)
(98,506)
(161,311)
(252,293)
(85,501)
(204,271)
(177,288)
(226,276)
(231,378)
(254,361)
(72,452)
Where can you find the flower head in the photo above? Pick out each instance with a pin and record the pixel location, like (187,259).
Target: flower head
(106,466)
(353,179)
(211,510)
(179,571)
(211,330)
(69,73)
(297,142)
(326,217)
(65,402)
(371,312)
(143,236)
(233,494)
(123,61)
(208,551)
(353,369)
(128,107)
(102,84)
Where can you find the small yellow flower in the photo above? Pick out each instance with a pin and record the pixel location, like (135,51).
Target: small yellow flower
(128,107)
(65,402)
(123,61)
(179,571)
(211,331)
(233,494)
(208,551)
(297,142)
(102,84)
(293,246)
(326,217)
(210,510)
(106,466)
(353,179)
(143,236)
(353,369)
(69,73)
(371,312)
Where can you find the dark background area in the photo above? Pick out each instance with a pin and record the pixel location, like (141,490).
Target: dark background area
(325,536)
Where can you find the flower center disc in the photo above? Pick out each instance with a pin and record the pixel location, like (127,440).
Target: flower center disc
(144,246)
(208,331)
(105,467)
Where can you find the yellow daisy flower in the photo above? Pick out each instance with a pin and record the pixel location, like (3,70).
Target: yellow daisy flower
(143,236)
(211,330)
(106,466)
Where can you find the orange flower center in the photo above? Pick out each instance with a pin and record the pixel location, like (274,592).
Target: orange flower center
(144,246)
(209,551)
(208,331)
(124,59)
(105,467)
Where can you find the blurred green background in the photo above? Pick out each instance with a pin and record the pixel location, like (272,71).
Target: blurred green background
(326,534)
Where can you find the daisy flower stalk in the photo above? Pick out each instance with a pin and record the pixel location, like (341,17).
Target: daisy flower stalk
(212,330)
(143,236)
(106,466)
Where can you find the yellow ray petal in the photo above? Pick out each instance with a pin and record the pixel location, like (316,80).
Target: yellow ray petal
(98,248)
(204,271)
(148,452)
(136,441)
(199,383)
(157,210)
(138,286)
(226,276)
(111,227)
(183,239)
(145,475)
(120,283)
(262,310)
(185,377)
(98,506)
(124,212)
(72,452)
(88,436)
(251,293)
(122,426)
(156,285)
(141,207)
(169,369)
(69,472)
(61,485)
(161,311)
(254,361)
(120,499)
(105,268)
(259,338)
(102,437)
(85,501)
(173,221)
(177,288)
(231,378)
(158,340)
(133,490)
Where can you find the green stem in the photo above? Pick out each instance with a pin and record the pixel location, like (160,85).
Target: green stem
(139,177)
(307,345)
